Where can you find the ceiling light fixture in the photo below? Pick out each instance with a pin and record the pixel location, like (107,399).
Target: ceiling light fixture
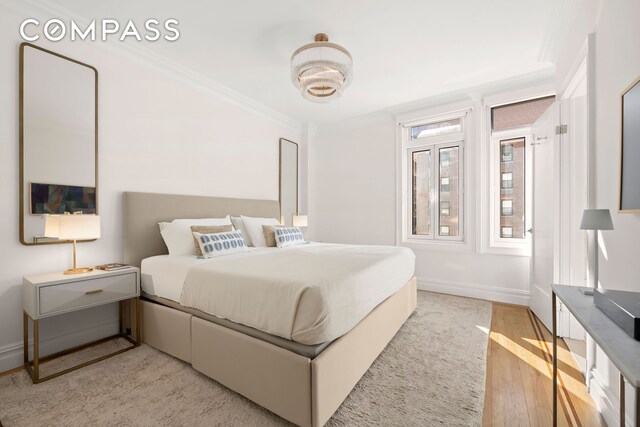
(321,70)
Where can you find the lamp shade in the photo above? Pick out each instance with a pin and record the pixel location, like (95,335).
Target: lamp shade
(299,220)
(72,227)
(596,219)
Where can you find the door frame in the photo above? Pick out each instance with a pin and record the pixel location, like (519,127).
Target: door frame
(582,71)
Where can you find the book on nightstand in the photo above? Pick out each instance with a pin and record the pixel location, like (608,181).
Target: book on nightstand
(111,266)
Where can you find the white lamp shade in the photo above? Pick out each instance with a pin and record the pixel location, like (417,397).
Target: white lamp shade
(72,227)
(596,219)
(299,220)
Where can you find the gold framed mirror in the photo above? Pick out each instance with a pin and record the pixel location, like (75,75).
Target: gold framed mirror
(58,137)
(288,181)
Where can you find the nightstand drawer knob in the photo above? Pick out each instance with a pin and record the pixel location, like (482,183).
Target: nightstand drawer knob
(97,291)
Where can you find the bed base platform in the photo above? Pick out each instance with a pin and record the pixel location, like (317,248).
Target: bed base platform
(304,391)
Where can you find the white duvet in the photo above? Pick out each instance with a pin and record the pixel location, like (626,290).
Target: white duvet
(307,293)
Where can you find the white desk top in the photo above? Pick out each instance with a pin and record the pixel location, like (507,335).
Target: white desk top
(620,347)
(61,277)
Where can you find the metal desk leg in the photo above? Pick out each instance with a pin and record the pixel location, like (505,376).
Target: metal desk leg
(25,333)
(554,377)
(622,409)
(637,406)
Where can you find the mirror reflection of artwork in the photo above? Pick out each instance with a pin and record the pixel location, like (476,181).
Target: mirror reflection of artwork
(58,199)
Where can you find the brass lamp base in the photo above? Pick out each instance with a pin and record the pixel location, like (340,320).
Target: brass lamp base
(78,270)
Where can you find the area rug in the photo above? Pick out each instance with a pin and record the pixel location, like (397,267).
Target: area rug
(431,374)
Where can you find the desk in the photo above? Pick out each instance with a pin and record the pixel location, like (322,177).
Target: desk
(620,348)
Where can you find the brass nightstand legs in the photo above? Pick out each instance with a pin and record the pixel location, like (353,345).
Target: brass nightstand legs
(33,367)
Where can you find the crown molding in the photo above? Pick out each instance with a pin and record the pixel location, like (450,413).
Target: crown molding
(139,53)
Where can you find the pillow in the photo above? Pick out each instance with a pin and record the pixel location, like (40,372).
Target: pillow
(288,236)
(219,244)
(254,229)
(177,233)
(269,232)
(208,229)
(239,225)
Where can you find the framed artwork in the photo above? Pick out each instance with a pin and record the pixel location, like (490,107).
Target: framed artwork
(58,199)
(630,150)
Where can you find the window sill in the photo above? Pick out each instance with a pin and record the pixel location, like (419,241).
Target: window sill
(437,245)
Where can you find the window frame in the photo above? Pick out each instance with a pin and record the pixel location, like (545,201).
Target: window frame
(487,214)
(433,143)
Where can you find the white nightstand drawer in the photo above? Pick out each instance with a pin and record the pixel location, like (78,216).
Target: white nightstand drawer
(86,293)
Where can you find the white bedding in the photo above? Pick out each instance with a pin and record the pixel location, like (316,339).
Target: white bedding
(308,293)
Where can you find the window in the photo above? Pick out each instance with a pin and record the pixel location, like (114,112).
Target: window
(445,208)
(507,153)
(506,207)
(513,194)
(507,181)
(519,114)
(444,183)
(434,155)
(444,159)
(420,208)
(510,166)
(506,232)
(437,128)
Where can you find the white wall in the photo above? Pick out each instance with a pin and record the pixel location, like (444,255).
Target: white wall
(354,194)
(159,131)
(617,64)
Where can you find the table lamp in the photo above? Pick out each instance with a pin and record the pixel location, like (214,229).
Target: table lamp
(299,220)
(596,219)
(73,227)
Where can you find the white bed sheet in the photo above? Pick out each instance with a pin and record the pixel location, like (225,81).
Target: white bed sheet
(309,293)
(164,275)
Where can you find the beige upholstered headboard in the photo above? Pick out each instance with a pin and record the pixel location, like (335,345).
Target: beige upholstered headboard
(143,212)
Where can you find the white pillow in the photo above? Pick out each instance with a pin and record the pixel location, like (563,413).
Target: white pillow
(177,233)
(253,226)
(239,225)
(288,236)
(219,244)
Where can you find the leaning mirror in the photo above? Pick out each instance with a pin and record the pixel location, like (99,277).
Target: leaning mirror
(288,180)
(58,139)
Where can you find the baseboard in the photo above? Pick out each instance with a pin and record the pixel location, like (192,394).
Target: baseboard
(470,290)
(607,402)
(11,355)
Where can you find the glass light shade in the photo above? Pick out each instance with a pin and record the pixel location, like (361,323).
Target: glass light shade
(321,70)
(299,220)
(72,227)
(596,219)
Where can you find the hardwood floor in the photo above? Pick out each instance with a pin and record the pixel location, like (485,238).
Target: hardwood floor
(518,391)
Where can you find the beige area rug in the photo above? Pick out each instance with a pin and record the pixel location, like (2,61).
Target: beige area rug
(431,374)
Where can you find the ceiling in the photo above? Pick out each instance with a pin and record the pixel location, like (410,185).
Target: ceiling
(403,50)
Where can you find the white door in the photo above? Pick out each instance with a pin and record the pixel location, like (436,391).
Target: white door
(544,253)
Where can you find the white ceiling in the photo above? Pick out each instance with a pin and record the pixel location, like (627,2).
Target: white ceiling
(403,50)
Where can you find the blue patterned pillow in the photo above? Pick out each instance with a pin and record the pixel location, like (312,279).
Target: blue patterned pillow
(218,244)
(288,236)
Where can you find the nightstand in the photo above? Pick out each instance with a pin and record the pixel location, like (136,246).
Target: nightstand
(49,295)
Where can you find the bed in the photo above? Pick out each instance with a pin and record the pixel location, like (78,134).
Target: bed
(302,376)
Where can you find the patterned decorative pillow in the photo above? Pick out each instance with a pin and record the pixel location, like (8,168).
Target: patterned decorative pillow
(219,244)
(288,236)
(207,229)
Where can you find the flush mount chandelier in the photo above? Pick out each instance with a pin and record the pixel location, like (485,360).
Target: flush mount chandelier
(321,70)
